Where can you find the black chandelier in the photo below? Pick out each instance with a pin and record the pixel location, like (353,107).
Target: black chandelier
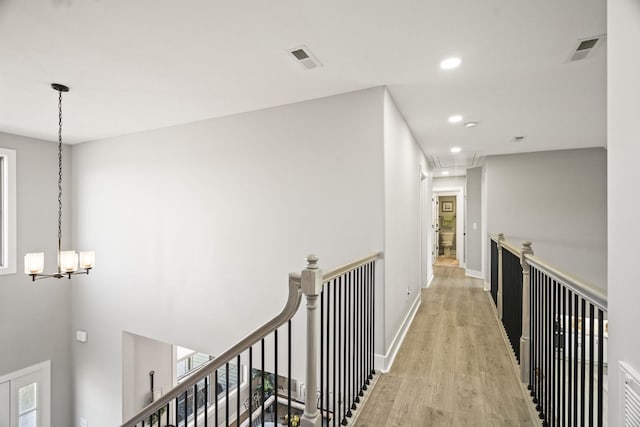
(68,260)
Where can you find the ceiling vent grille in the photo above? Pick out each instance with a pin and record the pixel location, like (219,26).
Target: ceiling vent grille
(585,48)
(303,56)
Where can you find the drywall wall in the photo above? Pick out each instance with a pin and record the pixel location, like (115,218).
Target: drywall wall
(623,102)
(557,200)
(196,228)
(403,162)
(448,182)
(141,355)
(35,316)
(473,219)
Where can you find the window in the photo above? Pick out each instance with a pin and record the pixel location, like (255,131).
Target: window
(28,405)
(7,211)
(188,362)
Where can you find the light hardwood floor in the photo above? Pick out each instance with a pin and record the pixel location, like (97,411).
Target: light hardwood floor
(453,368)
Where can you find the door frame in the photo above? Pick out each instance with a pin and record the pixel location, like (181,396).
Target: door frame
(40,373)
(458,192)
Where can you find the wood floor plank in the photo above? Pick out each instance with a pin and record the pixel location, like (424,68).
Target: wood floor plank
(453,368)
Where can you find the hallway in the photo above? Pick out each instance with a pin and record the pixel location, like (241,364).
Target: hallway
(453,368)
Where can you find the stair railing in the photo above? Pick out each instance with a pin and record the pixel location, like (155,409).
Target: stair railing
(183,404)
(563,335)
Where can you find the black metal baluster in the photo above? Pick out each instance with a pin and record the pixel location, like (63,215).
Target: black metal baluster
(532,331)
(195,405)
(177,416)
(539,346)
(548,349)
(275,368)
(262,373)
(251,386)
(563,356)
(289,371)
(576,325)
(356,339)
(348,346)
(583,366)
(554,365)
(206,401)
(226,396)
(215,377)
(570,356)
(328,352)
(238,382)
(373,321)
(341,350)
(591,357)
(600,367)
(322,361)
(167,411)
(335,334)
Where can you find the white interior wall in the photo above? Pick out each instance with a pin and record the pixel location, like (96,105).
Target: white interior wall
(142,355)
(624,207)
(557,200)
(403,162)
(35,316)
(196,227)
(473,218)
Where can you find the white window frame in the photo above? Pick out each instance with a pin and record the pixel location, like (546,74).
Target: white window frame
(41,374)
(8,260)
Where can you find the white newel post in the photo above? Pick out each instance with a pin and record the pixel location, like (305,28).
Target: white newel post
(500,239)
(311,284)
(526,315)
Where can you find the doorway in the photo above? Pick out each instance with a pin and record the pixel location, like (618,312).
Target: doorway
(448,214)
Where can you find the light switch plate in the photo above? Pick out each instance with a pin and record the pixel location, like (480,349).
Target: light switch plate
(81,336)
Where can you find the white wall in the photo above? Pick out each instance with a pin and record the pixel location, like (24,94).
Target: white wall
(142,355)
(403,161)
(196,227)
(473,215)
(624,175)
(448,181)
(557,200)
(35,316)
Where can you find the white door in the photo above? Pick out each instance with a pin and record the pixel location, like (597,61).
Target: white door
(25,397)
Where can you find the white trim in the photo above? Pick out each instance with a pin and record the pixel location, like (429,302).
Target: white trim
(474,273)
(42,374)
(487,286)
(384,363)
(460,193)
(9,248)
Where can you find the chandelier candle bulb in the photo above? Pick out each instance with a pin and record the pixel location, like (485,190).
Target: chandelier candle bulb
(87,259)
(34,263)
(68,261)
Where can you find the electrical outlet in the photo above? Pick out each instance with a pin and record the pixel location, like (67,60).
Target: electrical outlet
(83,422)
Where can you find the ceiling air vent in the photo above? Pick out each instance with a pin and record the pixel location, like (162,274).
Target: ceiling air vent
(585,47)
(304,57)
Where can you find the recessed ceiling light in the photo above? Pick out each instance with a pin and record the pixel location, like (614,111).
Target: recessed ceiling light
(456,118)
(470,124)
(455,149)
(445,172)
(450,63)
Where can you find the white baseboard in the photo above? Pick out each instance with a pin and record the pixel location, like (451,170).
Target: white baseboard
(383,363)
(474,273)
(487,286)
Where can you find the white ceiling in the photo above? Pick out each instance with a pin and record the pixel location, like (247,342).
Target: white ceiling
(142,64)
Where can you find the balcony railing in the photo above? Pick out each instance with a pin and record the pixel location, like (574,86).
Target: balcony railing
(337,371)
(557,325)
